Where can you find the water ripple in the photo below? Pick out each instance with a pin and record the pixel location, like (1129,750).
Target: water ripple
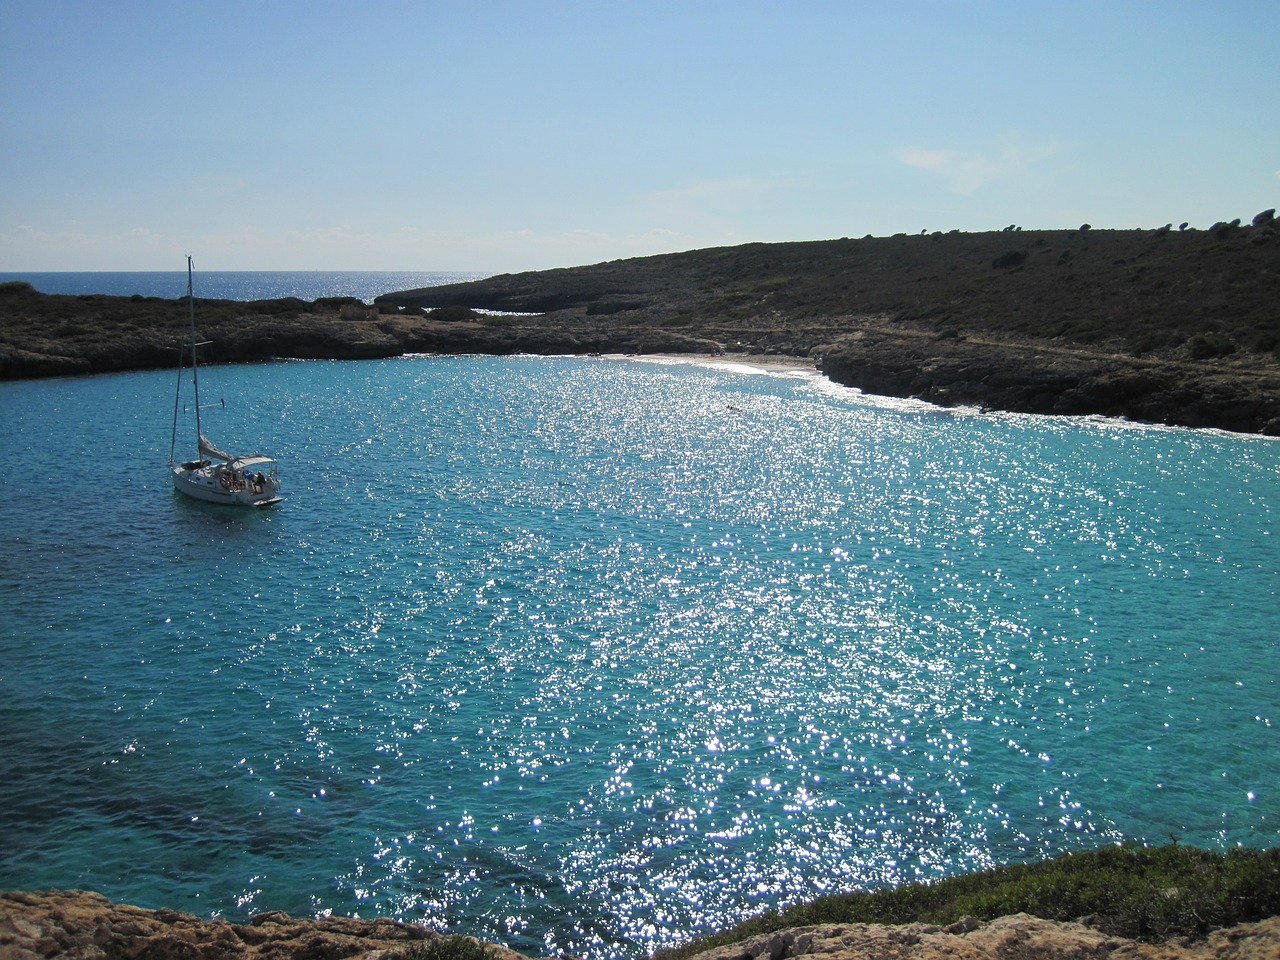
(590,655)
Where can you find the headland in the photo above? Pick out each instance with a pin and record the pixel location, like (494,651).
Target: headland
(1165,325)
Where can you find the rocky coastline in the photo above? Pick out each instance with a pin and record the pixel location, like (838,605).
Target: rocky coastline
(1163,326)
(80,924)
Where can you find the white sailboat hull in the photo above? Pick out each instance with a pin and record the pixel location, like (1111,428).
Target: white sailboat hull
(214,476)
(219,483)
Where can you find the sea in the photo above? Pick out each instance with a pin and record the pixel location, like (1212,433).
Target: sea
(591,655)
(240,284)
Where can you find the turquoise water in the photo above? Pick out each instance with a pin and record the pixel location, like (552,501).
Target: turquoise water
(588,655)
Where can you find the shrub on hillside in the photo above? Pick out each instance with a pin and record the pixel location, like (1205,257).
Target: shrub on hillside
(453,314)
(335,303)
(279,306)
(1014,258)
(1205,346)
(1150,893)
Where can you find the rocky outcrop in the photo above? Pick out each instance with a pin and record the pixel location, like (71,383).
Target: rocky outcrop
(1019,937)
(1039,377)
(77,924)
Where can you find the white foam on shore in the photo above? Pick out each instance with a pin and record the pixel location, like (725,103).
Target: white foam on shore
(800,369)
(792,368)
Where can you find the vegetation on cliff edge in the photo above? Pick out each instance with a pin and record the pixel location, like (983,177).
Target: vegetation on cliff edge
(1145,893)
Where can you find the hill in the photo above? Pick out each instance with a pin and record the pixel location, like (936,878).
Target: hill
(1160,325)
(1166,325)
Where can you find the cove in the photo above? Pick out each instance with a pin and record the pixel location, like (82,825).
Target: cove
(587,655)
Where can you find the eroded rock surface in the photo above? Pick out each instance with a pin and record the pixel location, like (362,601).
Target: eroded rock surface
(1019,937)
(78,924)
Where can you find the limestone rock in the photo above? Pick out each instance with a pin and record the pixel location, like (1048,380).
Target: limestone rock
(78,924)
(1019,937)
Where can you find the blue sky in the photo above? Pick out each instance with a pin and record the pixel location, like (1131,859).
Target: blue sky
(503,136)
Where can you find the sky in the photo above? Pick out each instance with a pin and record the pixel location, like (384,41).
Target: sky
(501,136)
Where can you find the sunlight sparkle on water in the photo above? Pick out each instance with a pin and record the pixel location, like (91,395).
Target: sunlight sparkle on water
(587,655)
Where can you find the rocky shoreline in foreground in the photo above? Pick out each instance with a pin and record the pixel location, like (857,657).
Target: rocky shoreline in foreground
(81,924)
(1161,326)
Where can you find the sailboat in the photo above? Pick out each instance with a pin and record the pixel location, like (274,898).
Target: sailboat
(215,476)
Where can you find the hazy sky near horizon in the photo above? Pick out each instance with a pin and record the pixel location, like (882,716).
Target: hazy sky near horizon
(501,136)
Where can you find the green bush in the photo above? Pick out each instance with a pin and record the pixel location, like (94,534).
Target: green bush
(279,306)
(334,304)
(1141,344)
(1205,346)
(452,314)
(1013,258)
(1149,893)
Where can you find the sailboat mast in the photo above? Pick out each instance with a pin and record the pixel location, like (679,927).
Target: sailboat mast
(177,396)
(195,376)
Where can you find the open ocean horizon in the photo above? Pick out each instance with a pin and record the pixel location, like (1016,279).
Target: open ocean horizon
(240,284)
